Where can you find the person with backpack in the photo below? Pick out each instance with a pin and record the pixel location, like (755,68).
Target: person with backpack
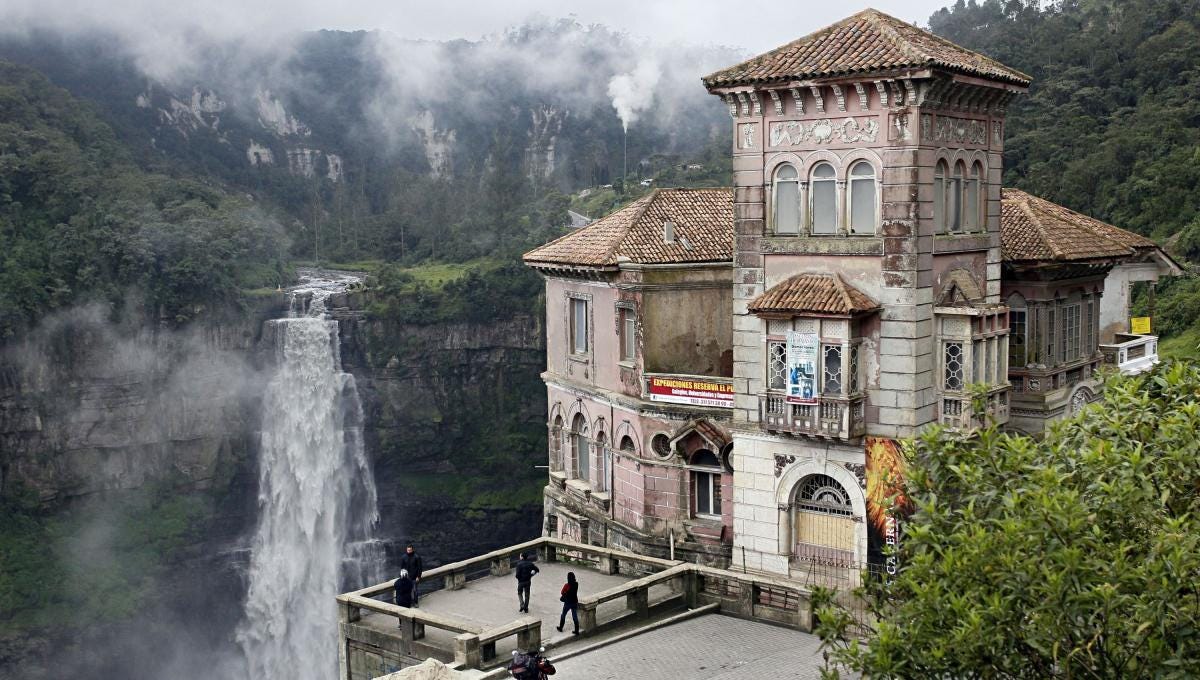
(410,561)
(569,596)
(405,589)
(524,572)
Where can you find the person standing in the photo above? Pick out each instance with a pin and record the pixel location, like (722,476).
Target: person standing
(405,590)
(524,573)
(410,561)
(569,596)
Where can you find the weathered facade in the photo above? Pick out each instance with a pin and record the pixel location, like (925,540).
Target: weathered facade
(638,377)
(879,280)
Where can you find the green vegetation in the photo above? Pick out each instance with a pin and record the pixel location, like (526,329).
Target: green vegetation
(480,291)
(93,563)
(1069,557)
(1111,124)
(79,221)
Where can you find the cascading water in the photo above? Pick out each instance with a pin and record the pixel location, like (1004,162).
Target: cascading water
(317,502)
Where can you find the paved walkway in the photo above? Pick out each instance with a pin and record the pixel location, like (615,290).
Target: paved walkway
(492,601)
(709,647)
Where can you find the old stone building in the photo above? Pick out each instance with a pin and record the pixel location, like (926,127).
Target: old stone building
(876,278)
(638,376)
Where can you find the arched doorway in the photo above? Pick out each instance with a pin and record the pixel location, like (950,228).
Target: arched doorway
(823,525)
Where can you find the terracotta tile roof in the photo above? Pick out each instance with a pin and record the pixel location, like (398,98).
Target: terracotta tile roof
(1033,229)
(703,220)
(867,42)
(813,293)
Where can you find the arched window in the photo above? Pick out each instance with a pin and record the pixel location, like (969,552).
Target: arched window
(974,214)
(627,444)
(786,192)
(603,461)
(862,198)
(579,447)
(823,522)
(556,451)
(939,197)
(824,199)
(954,203)
(706,483)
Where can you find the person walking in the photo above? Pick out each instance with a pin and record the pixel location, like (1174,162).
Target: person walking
(569,596)
(410,561)
(405,589)
(524,573)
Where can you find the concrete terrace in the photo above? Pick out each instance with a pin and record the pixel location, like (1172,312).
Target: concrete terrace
(470,619)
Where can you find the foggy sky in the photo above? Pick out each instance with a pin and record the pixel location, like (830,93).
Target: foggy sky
(755,25)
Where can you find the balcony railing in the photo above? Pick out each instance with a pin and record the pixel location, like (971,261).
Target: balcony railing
(957,411)
(1130,353)
(833,417)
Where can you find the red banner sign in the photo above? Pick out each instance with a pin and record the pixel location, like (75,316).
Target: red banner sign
(691,391)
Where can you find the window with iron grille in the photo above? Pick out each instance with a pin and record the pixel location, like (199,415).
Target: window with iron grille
(854,369)
(822,493)
(833,369)
(776,365)
(1050,336)
(953,366)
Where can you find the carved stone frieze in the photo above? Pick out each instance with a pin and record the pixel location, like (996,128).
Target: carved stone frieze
(756,102)
(823,131)
(782,461)
(745,100)
(859,471)
(960,130)
(899,128)
(997,132)
(863,103)
(926,127)
(733,107)
(746,135)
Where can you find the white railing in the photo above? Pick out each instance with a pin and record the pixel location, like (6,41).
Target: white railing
(1130,353)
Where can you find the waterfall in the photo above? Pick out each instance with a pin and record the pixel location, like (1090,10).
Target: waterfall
(317,502)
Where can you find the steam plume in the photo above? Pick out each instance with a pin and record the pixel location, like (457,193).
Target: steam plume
(633,92)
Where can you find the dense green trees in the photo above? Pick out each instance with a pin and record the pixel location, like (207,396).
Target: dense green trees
(80,221)
(1073,556)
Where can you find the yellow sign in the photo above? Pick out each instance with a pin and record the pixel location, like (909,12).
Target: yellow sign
(1139,325)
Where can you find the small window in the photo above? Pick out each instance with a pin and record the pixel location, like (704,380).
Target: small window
(706,483)
(954,206)
(823,494)
(854,369)
(1071,333)
(862,198)
(974,217)
(939,198)
(556,450)
(603,462)
(787,200)
(1090,348)
(627,444)
(1050,337)
(579,334)
(953,366)
(1016,338)
(776,365)
(833,369)
(628,333)
(824,199)
(708,493)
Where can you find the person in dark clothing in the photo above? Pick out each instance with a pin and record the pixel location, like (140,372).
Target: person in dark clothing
(405,589)
(524,573)
(410,561)
(570,600)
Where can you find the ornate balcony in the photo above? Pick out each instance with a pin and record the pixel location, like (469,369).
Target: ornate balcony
(957,412)
(833,417)
(1132,354)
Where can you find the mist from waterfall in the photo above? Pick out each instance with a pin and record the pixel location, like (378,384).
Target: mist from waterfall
(317,502)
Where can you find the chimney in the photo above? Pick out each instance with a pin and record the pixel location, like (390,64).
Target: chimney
(668,232)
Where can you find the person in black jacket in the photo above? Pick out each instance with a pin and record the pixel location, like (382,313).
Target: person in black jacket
(405,590)
(410,561)
(524,573)
(570,599)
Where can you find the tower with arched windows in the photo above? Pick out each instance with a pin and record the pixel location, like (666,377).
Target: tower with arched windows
(867,161)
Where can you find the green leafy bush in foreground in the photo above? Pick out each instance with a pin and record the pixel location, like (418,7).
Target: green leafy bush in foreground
(1076,556)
